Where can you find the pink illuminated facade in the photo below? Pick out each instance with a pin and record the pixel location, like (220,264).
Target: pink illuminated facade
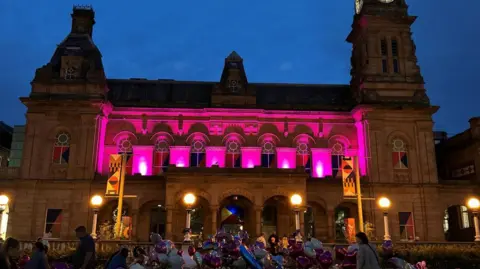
(242,148)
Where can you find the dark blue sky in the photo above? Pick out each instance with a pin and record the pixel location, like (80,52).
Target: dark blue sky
(280,40)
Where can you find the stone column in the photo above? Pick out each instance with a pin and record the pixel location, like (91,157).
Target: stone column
(258,220)
(168,226)
(302,220)
(331,224)
(214,212)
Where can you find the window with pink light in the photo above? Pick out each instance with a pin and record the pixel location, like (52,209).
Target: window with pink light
(233,156)
(304,156)
(197,153)
(161,157)
(338,153)
(124,146)
(268,154)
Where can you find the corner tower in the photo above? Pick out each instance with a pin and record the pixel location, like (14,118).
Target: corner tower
(384,63)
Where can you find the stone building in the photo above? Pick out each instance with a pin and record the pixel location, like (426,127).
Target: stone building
(242,148)
(5,143)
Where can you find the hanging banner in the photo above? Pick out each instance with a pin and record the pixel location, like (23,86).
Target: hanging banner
(350,229)
(348,177)
(113,182)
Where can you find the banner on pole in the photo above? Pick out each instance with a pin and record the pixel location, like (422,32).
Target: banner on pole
(348,177)
(113,182)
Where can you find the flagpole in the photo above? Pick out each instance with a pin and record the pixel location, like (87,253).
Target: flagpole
(359,196)
(118,223)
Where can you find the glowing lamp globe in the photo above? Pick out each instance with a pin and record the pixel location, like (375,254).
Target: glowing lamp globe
(384,203)
(473,203)
(3,200)
(296,200)
(96,200)
(189,199)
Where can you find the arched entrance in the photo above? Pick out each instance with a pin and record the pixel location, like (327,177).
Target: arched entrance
(316,221)
(107,217)
(200,221)
(346,221)
(152,219)
(237,213)
(277,216)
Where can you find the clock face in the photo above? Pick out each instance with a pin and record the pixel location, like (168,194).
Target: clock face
(358,6)
(386,1)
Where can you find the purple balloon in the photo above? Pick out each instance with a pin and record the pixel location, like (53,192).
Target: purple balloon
(304,262)
(326,261)
(260,245)
(340,253)
(319,251)
(161,247)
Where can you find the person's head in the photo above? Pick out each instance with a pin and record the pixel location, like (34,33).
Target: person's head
(262,234)
(124,252)
(361,238)
(11,247)
(39,246)
(81,231)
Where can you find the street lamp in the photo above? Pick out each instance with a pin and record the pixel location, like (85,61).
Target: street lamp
(189,200)
(474,205)
(385,204)
(96,202)
(296,201)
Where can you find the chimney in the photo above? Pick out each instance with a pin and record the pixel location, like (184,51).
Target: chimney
(475,127)
(83,19)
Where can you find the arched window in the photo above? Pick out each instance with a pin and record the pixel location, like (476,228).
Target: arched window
(399,154)
(125,148)
(161,159)
(61,148)
(337,153)
(303,156)
(268,154)
(197,153)
(233,156)
(465,218)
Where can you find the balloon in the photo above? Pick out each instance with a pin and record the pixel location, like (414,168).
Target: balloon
(180,252)
(310,252)
(304,262)
(340,253)
(161,247)
(387,248)
(291,241)
(216,262)
(197,257)
(421,265)
(249,259)
(316,243)
(319,251)
(326,260)
(259,244)
(191,250)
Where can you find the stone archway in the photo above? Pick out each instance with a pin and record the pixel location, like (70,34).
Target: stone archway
(152,219)
(236,213)
(277,216)
(200,221)
(316,221)
(107,218)
(346,218)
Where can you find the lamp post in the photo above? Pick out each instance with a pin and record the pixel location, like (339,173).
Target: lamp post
(474,205)
(96,202)
(296,201)
(384,204)
(3,207)
(189,200)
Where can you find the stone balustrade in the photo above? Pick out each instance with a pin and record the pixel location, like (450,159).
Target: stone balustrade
(9,172)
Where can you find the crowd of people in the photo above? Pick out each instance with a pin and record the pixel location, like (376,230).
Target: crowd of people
(85,255)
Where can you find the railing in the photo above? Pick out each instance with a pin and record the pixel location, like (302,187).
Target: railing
(9,172)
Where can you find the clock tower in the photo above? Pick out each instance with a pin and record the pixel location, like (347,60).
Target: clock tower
(384,66)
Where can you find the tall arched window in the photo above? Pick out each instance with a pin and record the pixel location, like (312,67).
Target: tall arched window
(337,153)
(61,148)
(464,216)
(197,154)
(268,154)
(399,154)
(303,156)
(125,148)
(161,159)
(233,156)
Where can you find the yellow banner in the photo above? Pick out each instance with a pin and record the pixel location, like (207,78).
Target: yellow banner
(113,182)
(348,176)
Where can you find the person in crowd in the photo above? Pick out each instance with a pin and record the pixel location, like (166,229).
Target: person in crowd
(140,257)
(367,256)
(84,257)
(39,257)
(261,239)
(119,260)
(273,244)
(284,241)
(10,254)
